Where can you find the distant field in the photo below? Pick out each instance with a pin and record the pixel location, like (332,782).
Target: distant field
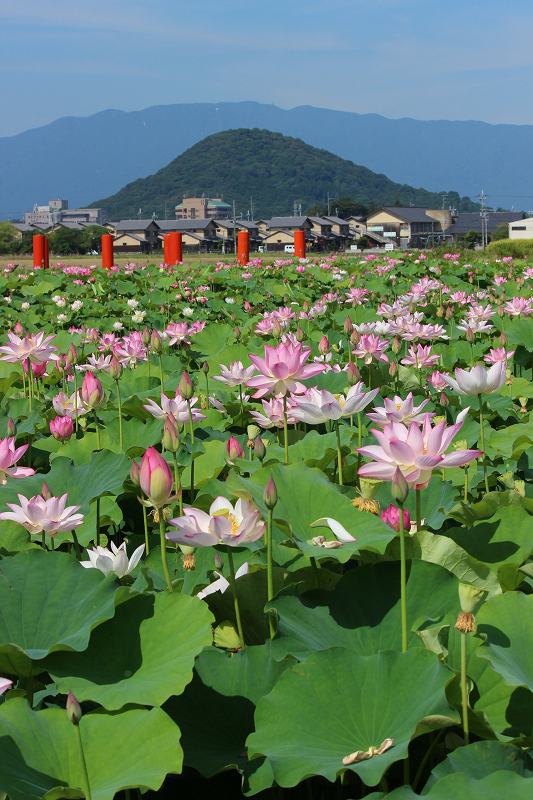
(138,258)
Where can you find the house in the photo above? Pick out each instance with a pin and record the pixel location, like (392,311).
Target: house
(206,227)
(408,226)
(202,207)
(227,231)
(130,243)
(340,227)
(22,227)
(471,221)
(146,229)
(277,239)
(357,226)
(289,223)
(521,229)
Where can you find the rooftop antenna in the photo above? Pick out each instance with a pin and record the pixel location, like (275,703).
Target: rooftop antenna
(139,213)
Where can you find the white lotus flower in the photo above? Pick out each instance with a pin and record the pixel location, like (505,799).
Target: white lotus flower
(478,380)
(221,584)
(114,560)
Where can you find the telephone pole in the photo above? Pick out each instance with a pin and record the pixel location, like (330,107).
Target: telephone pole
(483,214)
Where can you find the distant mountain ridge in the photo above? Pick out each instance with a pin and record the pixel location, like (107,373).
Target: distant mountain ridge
(273,168)
(82,158)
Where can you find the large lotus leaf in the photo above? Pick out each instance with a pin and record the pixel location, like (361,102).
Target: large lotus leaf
(208,465)
(137,437)
(47,603)
(362,613)
(315,449)
(336,703)
(481,759)
(216,711)
(143,655)
(436,500)
(507,622)
(461,786)
(39,751)
(305,495)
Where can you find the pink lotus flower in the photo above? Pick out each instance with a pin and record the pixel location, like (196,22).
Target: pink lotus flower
(224,524)
(420,357)
(131,350)
(61,428)
(92,393)
(95,363)
(436,379)
(9,455)
(281,369)
(391,517)
(497,354)
(517,307)
(35,347)
(5,685)
(371,348)
(114,560)
(174,407)
(234,449)
(319,405)
(155,478)
(234,375)
(416,450)
(39,515)
(273,416)
(69,406)
(398,410)
(478,380)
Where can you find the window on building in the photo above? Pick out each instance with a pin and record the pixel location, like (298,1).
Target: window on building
(519,228)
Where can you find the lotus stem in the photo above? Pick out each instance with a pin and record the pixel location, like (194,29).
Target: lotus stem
(97,428)
(339,452)
(285,431)
(242,404)
(233,584)
(482,443)
(87,785)
(403,587)
(75,400)
(76,545)
(163,541)
(270,576)
(465,488)
(418,512)
(464,687)
(191,429)
(146,537)
(177,482)
(120,432)
(161,370)
(97,521)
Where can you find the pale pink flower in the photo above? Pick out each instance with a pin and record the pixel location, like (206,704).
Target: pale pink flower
(273,416)
(234,375)
(224,524)
(371,348)
(9,455)
(114,560)
(108,342)
(95,363)
(496,354)
(436,379)
(38,515)
(478,380)
(35,347)
(517,307)
(175,407)
(69,406)
(475,326)
(398,410)
(356,296)
(318,405)
(415,450)
(5,685)
(131,350)
(281,369)
(420,357)
(339,531)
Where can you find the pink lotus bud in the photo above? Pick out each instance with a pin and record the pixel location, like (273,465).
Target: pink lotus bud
(324,346)
(61,428)
(352,373)
(156,345)
(306,305)
(155,478)
(393,368)
(218,560)
(444,400)
(503,339)
(237,333)
(396,345)
(276,329)
(171,439)
(234,449)
(185,386)
(470,335)
(270,495)
(38,369)
(145,336)
(18,329)
(391,517)
(449,312)
(247,306)
(300,334)
(92,392)
(45,491)
(348,326)
(205,368)
(355,336)
(399,486)
(72,354)
(11,427)
(115,368)
(73,709)
(135,473)
(259,448)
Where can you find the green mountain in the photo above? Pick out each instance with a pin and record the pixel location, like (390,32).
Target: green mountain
(275,170)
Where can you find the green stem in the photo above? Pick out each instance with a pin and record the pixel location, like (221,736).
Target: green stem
(97,521)
(465,488)
(482,443)
(270,577)
(163,543)
(177,482)
(233,584)
(242,404)
(97,427)
(206,385)
(285,431)
(76,545)
(464,687)
(75,400)
(160,369)
(146,537)
(87,785)
(191,429)
(403,587)
(30,386)
(120,432)
(417,511)
(339,452)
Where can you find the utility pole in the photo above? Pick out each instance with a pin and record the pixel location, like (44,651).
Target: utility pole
(330,197)
(484,220)
(234,228)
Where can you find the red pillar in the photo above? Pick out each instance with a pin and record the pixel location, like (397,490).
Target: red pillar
(107,251)
(173,248)
(38,250)
(46,257)
(299,244)
(166,248)
(243,248)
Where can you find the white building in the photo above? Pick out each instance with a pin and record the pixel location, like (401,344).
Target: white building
(521,229)
(58,211)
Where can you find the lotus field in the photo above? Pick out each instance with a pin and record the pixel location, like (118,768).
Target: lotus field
(267,530)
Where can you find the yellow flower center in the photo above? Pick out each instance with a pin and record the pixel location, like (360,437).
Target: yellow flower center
(398,406)
(234,522)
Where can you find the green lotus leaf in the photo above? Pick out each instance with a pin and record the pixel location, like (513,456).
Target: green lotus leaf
(481,759)
(337,703)
(39,751)
(458,785)
(507,622)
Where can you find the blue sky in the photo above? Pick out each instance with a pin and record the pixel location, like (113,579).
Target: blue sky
(429,59)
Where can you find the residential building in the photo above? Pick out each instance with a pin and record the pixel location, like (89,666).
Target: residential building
(471,221)
(521,229)
(289,223)
(407,226)
(146,229)
(202,207)
(58,211)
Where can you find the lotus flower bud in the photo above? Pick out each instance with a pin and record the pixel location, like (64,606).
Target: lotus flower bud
(45,491)
(61,428)
(355,337)
(352,373)
(469,335)
(155,478)
(38,369)
(348,326)
(218,560)
(449,312)
(205,368)
(270,495)
(18,329)
(156,344)
(73,709)
(234,449)
(135,473)
(391,517)
(171,439)
(306,305)
(396,345)
(259,448)
(324,346)
(145,336)
(444,401)
(72,354)
(503,339)
(115,368)
(92,392)
(247,306)
(11,427)
(276,329)
(185,386)
(300,334)
(393,368)
(399,487)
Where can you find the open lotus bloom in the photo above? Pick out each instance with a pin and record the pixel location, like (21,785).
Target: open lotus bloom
(9,455)
(175,407)
(319,405)
(234,375)
(114,560)
(35,347)
(339,531)
(398,410)
(5,685)
(478,380)
(40,515)
(282,369)
(416,450)
(224,524)
(221,584)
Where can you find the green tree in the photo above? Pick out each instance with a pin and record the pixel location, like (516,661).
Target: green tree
(501,232)
(67,242)
(8,238)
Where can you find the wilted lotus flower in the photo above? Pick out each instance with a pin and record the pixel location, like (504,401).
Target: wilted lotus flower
(5,684)
(9,455)
(224,524)
(114,560)
(281,370)
(341,534)
(155,478)
(92,393)
(398,410)
(61,428)
(478,380)
(39,515)
(234,375)
(221,584)
(391,517)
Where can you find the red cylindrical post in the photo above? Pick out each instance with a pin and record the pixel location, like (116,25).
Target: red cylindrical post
(179,248)
(38,250)
(166,248)
(173,253)
(299,244)
(243,248)
(46,256)
(107,251)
